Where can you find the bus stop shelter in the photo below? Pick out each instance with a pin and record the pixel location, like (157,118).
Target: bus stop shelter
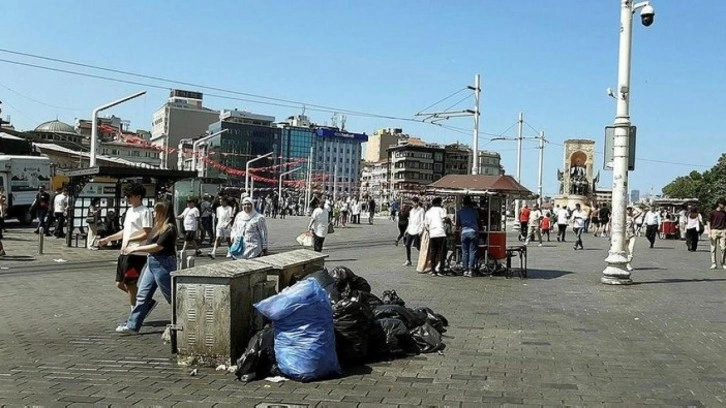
(84,186)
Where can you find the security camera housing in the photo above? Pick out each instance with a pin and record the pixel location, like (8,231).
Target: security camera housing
(647,15)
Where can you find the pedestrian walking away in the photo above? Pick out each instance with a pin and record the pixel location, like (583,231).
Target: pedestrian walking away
(319,226)
(524,223)
(250,227)
(403,219)
(694,228)
(190,215)
(138,223)
(205,209)
(434,221)
(60,207)
(412,235)
(467,221)
(371,210)
(546,225)
(161,248)
(717,233)
(394,209)
(578,225)
(3,210)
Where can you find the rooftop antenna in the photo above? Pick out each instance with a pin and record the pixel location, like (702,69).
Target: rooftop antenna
(334,120)
(303,110)
(343,118)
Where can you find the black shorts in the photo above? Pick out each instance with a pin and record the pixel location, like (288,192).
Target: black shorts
(129,267)
(189,235)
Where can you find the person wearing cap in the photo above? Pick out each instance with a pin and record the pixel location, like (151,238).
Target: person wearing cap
(251,227)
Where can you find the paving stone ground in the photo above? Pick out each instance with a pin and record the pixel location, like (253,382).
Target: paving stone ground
(559,338)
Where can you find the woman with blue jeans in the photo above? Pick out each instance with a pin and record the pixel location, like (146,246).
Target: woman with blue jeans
(467,219)
(157,272)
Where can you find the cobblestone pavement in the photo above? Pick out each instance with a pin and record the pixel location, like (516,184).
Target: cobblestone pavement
(559,338)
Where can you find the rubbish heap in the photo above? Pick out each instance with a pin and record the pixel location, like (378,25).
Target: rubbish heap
(330,321)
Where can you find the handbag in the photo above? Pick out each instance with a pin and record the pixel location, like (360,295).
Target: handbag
(330,228)
(701,228)
(237,248)
(305,239)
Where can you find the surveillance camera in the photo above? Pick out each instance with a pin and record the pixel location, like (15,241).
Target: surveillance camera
(647,15)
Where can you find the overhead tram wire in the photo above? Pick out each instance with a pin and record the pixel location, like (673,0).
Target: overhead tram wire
(647,160)
(443,99)
(319,108)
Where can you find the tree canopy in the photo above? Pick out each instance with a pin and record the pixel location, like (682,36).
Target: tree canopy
(708,186)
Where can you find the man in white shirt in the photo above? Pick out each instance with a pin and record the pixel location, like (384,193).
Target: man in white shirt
(414,229)
(60,205)
(225,217)
(652,222)
(434,221)
(319,226)
(578,224)
(535,218)
(190,215)
(138,222)
(562,217)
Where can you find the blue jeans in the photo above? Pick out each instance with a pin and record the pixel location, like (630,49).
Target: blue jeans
(156,274)
(469,245)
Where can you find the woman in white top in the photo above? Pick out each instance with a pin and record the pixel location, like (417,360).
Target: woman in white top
(434,221)
(319,226)
(693,229)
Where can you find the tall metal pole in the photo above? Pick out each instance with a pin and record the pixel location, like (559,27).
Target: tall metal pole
(520,124)
(94,123)
(247,171)
(335,182)
(475,143)
(616,272)
(308,186)
(541,164)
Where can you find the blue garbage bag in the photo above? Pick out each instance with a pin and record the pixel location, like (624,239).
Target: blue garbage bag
(304,334)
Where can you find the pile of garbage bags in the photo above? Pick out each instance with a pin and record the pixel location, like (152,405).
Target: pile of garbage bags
(330,321)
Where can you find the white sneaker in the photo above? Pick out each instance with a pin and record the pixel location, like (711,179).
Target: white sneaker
(539,245)
(407,263)
(628,267)
(723,266)
(713,266)
(124,329)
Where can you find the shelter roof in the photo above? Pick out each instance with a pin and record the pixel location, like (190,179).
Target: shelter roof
(129,172)
(475,183)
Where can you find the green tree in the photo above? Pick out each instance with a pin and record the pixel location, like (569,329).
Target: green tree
(707,187)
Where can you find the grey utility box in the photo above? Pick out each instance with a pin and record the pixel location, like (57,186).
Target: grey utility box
(213,318)
(293,265)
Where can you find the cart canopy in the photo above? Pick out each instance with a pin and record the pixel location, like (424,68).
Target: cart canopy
(478,185)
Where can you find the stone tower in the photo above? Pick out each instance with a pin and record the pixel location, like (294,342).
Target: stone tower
(576,176)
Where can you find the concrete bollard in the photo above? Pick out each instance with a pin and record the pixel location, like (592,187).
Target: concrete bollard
(41,238)
(190,261)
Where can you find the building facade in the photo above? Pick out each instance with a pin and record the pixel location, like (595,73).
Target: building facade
(336,155)
(183,116)
(457,159)
(296,139)
(378,144)
(490,163)
(412,167)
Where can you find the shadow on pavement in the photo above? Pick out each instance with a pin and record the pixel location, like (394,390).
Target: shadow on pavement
(679,281)
(651,268)
(157,323)
(22,258)
(356,370)
(341,260)
(546,274)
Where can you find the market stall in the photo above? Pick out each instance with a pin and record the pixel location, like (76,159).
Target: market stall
(490,194)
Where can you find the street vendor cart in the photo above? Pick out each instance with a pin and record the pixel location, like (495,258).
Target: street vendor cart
(490,194)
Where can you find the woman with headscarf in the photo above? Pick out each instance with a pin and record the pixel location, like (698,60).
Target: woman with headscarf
(251,228)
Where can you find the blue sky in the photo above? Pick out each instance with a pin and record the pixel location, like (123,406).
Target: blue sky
(550,59)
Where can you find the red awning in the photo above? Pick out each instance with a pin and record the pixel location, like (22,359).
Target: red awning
(469,184)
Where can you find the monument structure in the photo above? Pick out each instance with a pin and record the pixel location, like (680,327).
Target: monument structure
(576,176)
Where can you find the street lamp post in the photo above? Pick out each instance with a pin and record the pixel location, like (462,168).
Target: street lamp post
(195,145)
(94,123)
(247,171)
(616,272)
(279,188)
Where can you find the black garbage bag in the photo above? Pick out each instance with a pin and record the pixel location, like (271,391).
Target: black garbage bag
(366,297)
(411,320)
(327,282)
(439,322)
(427,338)
(347,281)
(390,339)
(390,297)
(352,320)
(258,361)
